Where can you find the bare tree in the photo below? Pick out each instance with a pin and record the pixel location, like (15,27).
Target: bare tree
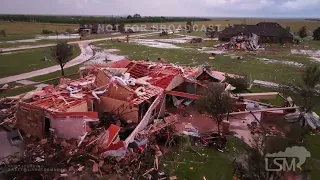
(189,27)
(62,52)
(216,101)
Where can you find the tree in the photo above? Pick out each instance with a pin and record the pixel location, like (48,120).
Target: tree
(212,31)
(288,28)
(3,32)
(62,52)
(310,78)
(129,17)
(136,16)
(316,34)
(282,36)
(46,31)
(189,26)
(121,28)
(303,32)
(216,101)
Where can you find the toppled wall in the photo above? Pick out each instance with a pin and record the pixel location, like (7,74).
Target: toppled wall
(119,92)
(102,79)
(146,119)
(128,111)
(30,120)
(176,81)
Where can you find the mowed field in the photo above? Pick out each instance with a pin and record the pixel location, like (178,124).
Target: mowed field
(32,28)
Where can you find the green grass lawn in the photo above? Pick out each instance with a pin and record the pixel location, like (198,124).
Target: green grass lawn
(67,71)
(16,91)
(157,36)
(312,144)
(194,33)
(32,28)
(295,97)
(13,37)
(140,52)
(199,45)
(28,60)
(17,44)
(249,65)
(212,164)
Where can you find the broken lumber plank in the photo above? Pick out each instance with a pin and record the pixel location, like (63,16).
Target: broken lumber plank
(264,104)
(182,94)
(254,96)
(262,110)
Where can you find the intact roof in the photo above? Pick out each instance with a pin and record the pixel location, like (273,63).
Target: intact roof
(271,29)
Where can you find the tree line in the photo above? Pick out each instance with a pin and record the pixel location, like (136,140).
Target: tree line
(136,18)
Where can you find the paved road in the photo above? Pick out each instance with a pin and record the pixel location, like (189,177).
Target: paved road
(86,54)
(74,42)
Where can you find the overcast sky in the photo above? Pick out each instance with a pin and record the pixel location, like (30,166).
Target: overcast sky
(208,8)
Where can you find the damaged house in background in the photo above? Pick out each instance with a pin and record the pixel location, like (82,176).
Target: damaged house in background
(242,41)
(268,32)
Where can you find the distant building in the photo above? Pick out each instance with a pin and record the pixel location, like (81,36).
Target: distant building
(269,32)
(96,28)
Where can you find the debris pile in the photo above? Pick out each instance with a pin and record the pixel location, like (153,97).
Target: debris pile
(71,160)
(196,40)
(8,108)
(249,42)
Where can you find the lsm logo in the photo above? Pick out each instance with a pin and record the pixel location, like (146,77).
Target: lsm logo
(280,161)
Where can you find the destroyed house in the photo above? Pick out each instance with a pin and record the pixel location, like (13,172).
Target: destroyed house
(268,32)
(134,91)
(139,95)
(143,82)
(64,108)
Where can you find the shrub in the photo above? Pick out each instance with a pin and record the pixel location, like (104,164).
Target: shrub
(46,31)
(241,83)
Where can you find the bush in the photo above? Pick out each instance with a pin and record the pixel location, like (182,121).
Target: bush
(70,31)
(46,31)
(303,32)
(241,83)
